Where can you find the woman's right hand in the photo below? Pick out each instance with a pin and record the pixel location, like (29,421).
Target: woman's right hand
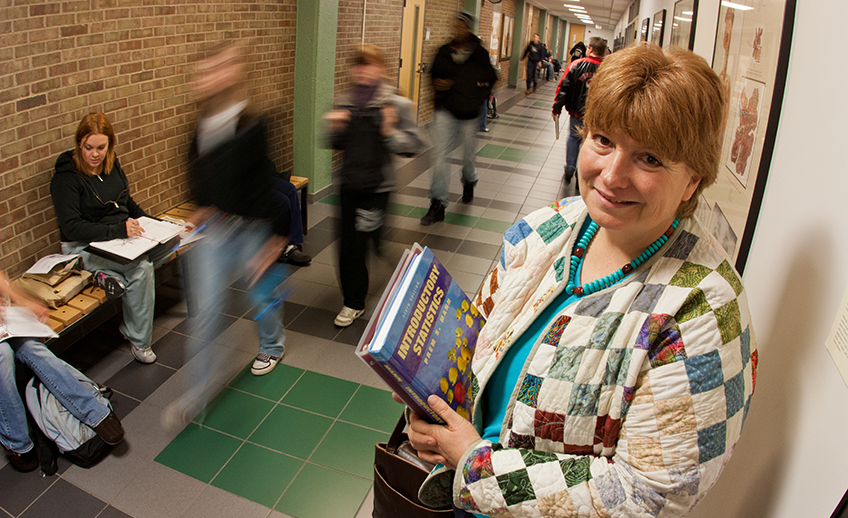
(134,228)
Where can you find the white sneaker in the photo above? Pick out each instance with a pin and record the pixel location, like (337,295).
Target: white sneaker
(143,355)
(347,315)
(264,363)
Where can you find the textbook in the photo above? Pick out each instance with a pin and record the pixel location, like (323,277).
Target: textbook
(422,335)
(124,250)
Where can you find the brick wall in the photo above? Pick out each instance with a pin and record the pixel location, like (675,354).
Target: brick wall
(130,59)
(383,21)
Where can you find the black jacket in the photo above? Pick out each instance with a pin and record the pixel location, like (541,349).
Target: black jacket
(236,177)
(91,208)
(472,80)
(574,85)
(534,51)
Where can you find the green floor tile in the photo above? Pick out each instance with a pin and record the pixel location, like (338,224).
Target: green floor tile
(291,431)
(399,209)
(198,452)
(542,104)
(513,154)
(323,493)
(493,225)
(236,413)
(373,408)
(417,213)
(460,219)
(349,448)
(331,199)
(258,474)
(490,151)
(273,385)
(321,394)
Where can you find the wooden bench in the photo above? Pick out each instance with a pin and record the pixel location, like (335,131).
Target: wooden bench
(88,310)
(301,183)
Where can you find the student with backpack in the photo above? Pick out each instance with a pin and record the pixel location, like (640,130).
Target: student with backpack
(58,377)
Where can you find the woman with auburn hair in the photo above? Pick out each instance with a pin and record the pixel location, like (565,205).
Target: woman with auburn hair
(617,363)
(92,200)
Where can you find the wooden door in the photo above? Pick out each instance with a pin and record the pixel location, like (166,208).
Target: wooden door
(411,45)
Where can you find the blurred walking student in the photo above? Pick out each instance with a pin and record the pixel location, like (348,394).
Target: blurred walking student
(247,224)
(370,123)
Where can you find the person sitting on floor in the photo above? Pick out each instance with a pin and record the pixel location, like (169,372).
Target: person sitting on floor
(56,375)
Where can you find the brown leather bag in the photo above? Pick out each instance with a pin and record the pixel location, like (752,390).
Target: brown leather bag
(397,479)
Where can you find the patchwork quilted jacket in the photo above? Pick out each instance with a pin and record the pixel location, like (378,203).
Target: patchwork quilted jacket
(630,403)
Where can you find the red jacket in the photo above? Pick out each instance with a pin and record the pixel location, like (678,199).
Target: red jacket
(574,85)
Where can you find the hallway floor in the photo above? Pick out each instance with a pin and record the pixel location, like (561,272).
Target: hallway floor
(299,441)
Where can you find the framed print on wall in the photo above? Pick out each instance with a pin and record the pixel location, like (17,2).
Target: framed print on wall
(683,23)
(751,57)
(506,37)
(646,27)
(657,28)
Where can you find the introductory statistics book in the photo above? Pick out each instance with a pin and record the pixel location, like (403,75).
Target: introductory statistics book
(422,335)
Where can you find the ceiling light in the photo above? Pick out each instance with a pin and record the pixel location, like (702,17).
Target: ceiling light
(682,19)
(736,6)
(688,13)
(577,10)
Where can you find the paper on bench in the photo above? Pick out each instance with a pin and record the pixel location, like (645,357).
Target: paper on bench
(18,321)
(46,263)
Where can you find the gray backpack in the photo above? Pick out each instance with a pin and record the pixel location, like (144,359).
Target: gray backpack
(65,433)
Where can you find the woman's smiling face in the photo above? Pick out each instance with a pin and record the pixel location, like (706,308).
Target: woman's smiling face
(628,189)
(94,150)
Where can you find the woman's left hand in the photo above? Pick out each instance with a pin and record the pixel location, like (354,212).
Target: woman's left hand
(442,444)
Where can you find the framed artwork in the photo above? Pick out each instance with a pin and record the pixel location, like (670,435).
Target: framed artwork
(657,28)
(751,57)
(683,23)
(508,26)
(630,34)
(646,28)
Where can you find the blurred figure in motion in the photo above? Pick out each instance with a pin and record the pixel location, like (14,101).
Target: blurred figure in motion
(244,220)
(370,123)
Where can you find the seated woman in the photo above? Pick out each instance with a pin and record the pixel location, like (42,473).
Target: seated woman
(617,363)
(92,200)
(56,375)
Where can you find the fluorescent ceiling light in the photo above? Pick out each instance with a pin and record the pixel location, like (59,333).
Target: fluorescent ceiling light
(736,6)
(570,6)
(688,13)
(687,20)
(576,10)
(585,17)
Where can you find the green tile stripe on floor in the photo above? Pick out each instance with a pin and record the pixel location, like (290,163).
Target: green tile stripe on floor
(452,218)
(268,438)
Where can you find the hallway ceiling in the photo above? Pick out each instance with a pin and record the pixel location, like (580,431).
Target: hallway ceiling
(605,13)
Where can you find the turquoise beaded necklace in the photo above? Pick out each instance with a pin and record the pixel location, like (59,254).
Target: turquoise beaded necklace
(608,280)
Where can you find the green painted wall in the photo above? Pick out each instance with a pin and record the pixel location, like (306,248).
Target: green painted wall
(314,66)
(562,42)
(543,17)
(473,7)
(517,49)
(554,32)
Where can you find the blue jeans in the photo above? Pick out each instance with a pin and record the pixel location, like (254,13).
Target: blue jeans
(531,73)
(287,189)
(59,378)
(574,142)
(139,281)
(217,261)
(445,128)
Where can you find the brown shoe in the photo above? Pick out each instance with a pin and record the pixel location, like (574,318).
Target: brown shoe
(23,462)
(535,86)
(110,430)
(527,91)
